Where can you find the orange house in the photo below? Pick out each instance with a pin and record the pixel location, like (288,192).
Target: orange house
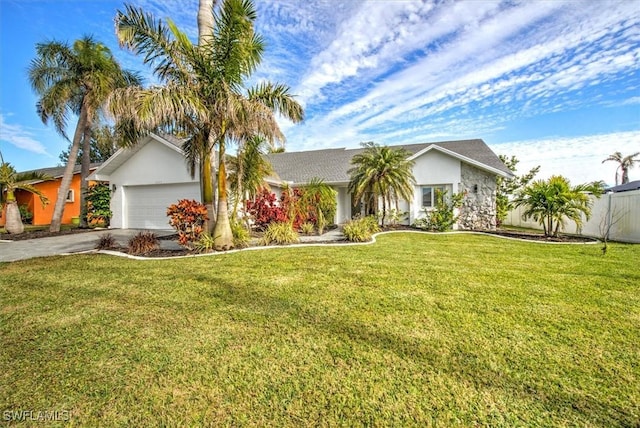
(42,215)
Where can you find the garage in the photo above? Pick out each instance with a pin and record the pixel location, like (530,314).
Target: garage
(146,206)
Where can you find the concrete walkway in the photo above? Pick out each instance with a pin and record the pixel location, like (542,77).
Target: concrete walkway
(78,242)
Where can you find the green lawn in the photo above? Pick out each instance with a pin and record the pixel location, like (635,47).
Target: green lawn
(417,330)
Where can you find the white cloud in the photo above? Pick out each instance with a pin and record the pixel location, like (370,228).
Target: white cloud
(463,72)
(20,137)
(577,158)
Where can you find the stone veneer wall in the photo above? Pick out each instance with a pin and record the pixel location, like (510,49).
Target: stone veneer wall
(478,211)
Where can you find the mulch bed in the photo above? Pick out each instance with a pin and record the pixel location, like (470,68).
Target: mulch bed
(540,237)
(156,253)
(36,234)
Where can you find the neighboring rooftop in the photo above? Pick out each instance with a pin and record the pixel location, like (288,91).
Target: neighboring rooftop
(58,171)
(331,165)
(627,187)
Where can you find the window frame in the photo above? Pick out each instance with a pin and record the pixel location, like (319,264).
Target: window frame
(71,196)
(443,187)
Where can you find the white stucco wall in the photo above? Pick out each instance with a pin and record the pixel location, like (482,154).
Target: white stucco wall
(155,163)
(432,168)
(343,210)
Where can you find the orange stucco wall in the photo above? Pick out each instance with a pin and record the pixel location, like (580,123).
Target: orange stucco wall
(42,216)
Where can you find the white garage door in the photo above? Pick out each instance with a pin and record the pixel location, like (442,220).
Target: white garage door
(146,206)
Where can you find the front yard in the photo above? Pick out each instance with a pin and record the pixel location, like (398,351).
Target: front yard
(414,330)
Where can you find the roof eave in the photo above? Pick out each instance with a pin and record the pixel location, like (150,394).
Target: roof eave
(463,158)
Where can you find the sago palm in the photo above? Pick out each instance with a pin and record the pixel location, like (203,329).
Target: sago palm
(74,80)
(384,173)
(10,181)
(625,163)
(203,92)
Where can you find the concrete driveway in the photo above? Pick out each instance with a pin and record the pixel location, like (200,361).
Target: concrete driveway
(66,244)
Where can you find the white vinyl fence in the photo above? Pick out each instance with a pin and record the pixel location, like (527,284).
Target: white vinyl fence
(619,210)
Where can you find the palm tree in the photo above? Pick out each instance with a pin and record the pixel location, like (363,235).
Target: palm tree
(550,202)
(103,144)
(203,92)
(321,199)
(625,164)
(205,20)
(10,181)
(381,172)
(249,168)
(74,80)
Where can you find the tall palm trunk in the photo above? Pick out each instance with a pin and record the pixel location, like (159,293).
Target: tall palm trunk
(205,20)
(384,210)
(13,222)
(625,175)
(223,237)
(84,172)
(239,190)
(206,178)
(205,30)
(63,190)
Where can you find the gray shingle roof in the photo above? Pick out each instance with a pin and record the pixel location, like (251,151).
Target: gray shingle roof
(632,185)
(331,165)
(58,171)
(172,139)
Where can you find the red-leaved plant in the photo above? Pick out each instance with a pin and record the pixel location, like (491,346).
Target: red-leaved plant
(265,209)
(187,217)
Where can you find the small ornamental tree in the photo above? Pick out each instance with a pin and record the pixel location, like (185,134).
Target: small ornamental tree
(553,201)
(187,217)
(98,204)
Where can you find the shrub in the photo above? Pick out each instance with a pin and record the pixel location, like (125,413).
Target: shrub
(25,215)
(187,217)
(205,243)
(307,228)
(143,243)
(241,235)
(264,209)
(296,206)
(441,218)
(317,201)
(280,234)
(395,216)
(294,209)
(99,204)
(106,242)
(361,230)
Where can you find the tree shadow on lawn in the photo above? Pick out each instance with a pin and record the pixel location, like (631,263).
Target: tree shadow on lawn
(458,360)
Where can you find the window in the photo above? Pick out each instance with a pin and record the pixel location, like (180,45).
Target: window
(429,194)
(70,196)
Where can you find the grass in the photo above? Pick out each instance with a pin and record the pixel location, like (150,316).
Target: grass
(32,228)
(416,330)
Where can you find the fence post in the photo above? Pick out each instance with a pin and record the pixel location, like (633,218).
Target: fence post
(608,225)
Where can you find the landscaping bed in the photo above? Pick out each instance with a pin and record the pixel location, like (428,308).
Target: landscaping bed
(530,236)
(42,233)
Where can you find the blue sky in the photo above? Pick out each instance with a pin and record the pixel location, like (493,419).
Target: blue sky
(556,83)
